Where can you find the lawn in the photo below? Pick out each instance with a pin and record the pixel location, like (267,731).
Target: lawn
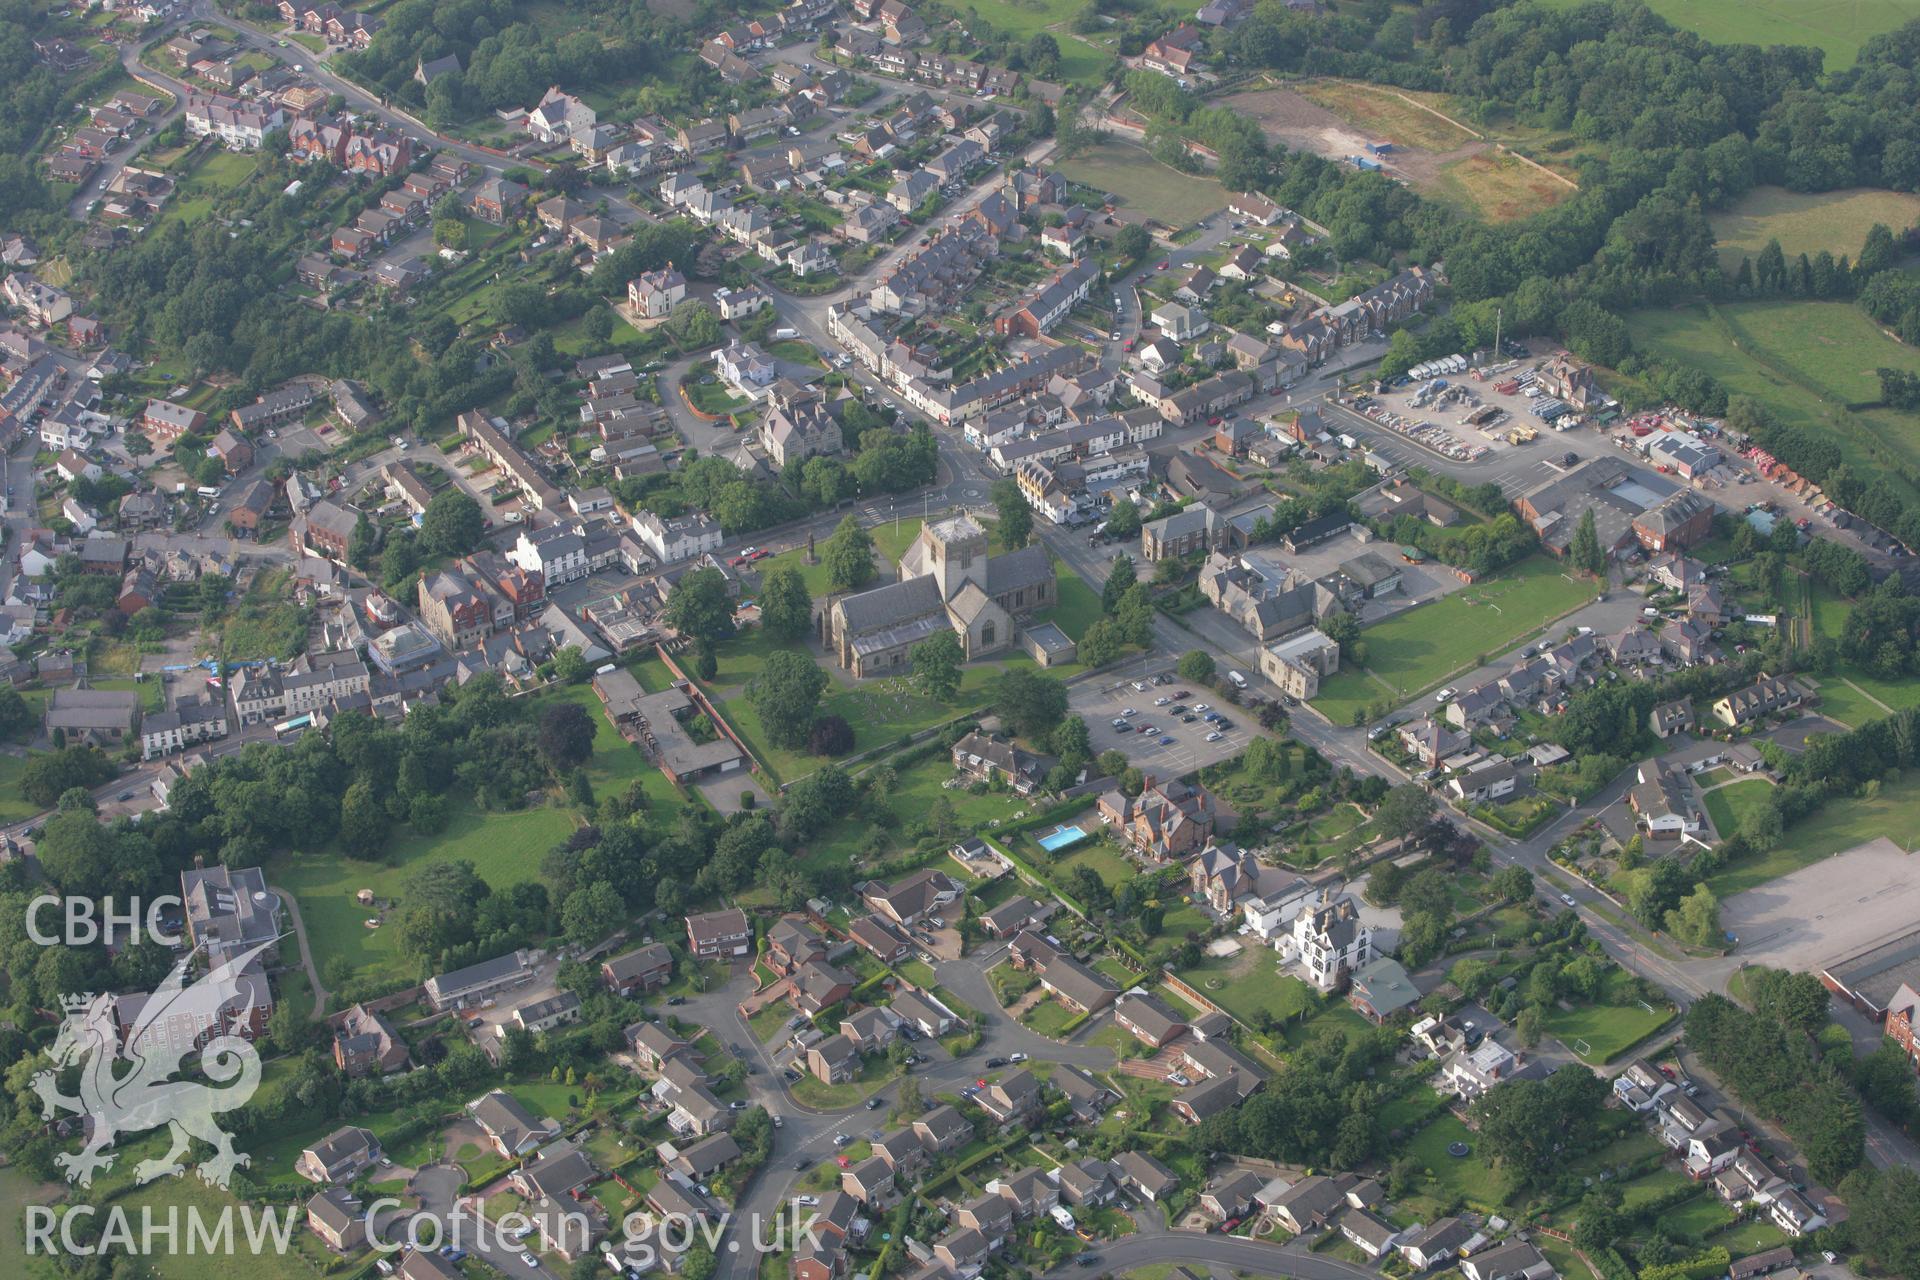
(1467,1177)
(215,174)
(1106,862)
(1418,649)
(1049,1018)
(1893,812)
(1835,27)
(1249,985)
(1144,185)
(14,807)
(1806,222)
(890,542)
(505,848)
(810,1092)
(1729,805)
(1806,360)
(1078,607)
(1843,700)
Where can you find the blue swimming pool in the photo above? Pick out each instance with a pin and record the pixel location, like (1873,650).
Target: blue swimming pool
(1062,838)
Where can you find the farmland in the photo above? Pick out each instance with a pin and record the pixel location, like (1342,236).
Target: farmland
(1805,360)
(1144,185)
(1803,222)
(1416,650)
(1835,27)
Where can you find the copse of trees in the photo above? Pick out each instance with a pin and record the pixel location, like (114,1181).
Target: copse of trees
(1773,1065)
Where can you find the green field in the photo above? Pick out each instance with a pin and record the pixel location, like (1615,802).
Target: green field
(1729,804)
(1893,812)
(505,848)
(1805,222)
(1413,651)
(1835,27)
(1805,360)
(1144,185)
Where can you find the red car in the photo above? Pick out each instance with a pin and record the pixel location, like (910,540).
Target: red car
(1163,266)
(737,561)
(761,554)
(1213,422)
(1129,345)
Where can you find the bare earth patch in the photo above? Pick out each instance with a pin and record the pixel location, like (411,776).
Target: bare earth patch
(1338,121)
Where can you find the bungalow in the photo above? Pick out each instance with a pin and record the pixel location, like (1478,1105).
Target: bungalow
(1435,1245)
(1148,1019)
(1513,1260)
(1077,987)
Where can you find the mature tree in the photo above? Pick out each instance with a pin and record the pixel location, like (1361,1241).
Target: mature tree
(1795,1000)
(786,610)
(1529,1126)
(1585,551)
(785,695)
(566,736)
(1697,918)
(1132,243)
(570,665)
(591,913)
(1134,616)
(1119,579)
(1029,703)
(1016,517)
(48,775)
(452,524)
(1404,811)
(16,717)
(1882,1223)
(936,665)
(701,607)
(364,822)
(1196,665)
(1513,883)
(1100,643)
(848,556)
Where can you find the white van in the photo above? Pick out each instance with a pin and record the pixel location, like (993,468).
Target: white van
(1239,681)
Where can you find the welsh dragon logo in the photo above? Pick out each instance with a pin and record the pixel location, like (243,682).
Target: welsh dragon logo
(126,1084)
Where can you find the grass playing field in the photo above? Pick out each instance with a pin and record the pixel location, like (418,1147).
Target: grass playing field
(1805,360)
(1893,811)
(1836,27)
(1143,184)
(1416,650)
(1804,222)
